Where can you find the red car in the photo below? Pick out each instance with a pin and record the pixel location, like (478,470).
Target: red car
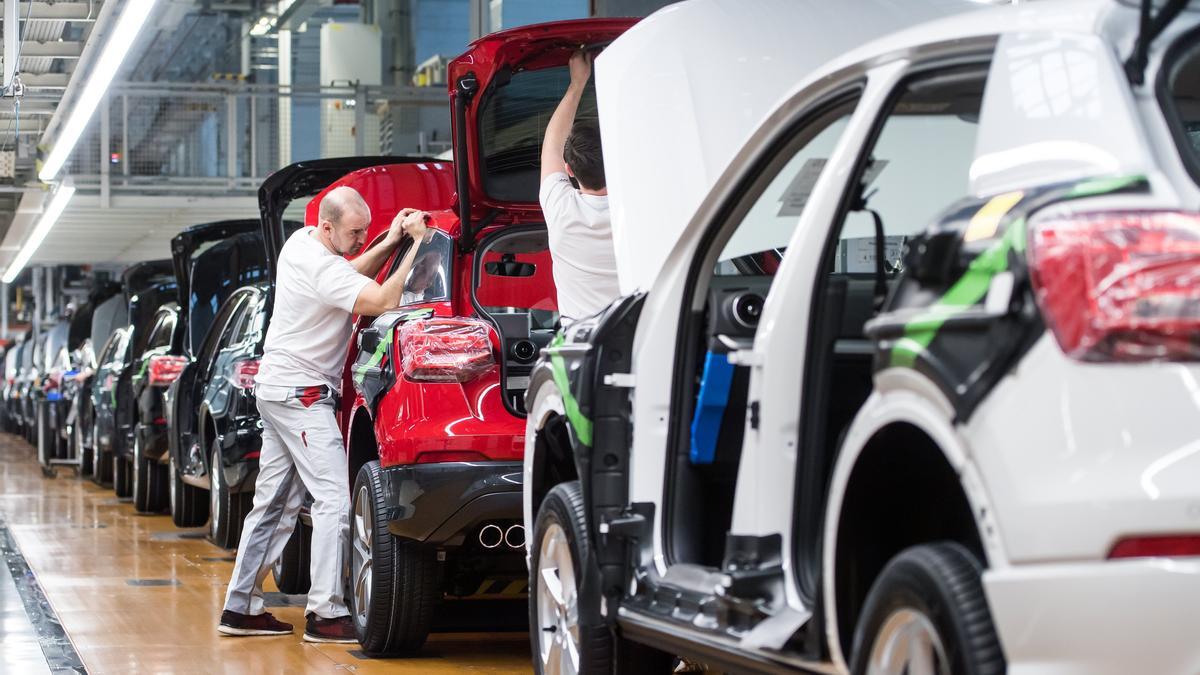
(433,392)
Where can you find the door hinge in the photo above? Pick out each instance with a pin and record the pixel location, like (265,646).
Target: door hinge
(754,415)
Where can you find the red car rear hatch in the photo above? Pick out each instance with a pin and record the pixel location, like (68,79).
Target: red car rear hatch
(502,92)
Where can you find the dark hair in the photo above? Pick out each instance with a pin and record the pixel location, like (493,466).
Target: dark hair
(583,153)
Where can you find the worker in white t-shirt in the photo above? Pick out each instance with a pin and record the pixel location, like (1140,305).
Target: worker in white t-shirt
(317,291)
(580,231)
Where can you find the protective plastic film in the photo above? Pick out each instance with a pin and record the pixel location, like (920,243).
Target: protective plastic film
(1121,286)
(445,350)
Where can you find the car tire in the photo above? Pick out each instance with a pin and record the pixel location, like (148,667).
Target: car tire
(291,572)
(394,583)
(561,545)
(82,453)
(149,482)
(931,593)
(122,476)
(227,510)
(189,504)
(102,464)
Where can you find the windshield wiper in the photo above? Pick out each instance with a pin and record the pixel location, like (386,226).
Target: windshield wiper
(1149,28)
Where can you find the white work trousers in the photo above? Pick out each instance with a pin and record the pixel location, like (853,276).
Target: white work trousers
(301,448)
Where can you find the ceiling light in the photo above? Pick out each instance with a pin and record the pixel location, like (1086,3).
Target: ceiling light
(103,71)
(58,202)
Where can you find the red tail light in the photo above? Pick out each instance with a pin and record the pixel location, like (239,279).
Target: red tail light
(445,350)
(165,369)
(1159,546)
(244,372)
(435,456)
(1120,286)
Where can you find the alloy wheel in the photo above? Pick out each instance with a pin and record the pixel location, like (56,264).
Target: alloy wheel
(557,604)
(214,495)
(361,569)
(908,644)
(137,466)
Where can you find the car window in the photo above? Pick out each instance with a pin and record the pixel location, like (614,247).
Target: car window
(1184,91)
(429,278)
(235,329)
(160,335)
(512,122)
(757,245)
(918,167)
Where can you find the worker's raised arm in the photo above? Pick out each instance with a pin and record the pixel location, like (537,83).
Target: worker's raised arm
(372,259)
(375,299)
(559,126)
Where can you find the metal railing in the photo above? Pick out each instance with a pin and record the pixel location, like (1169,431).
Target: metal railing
(226,137)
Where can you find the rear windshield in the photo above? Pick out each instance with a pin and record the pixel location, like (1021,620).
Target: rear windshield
(512,122)
(217,271)
(1183,88)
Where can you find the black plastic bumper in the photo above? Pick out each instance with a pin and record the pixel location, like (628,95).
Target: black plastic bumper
(435,502)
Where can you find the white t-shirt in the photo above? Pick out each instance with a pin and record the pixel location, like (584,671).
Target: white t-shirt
(585,265)
(315,291)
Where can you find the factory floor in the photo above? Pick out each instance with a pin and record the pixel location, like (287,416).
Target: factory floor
(94,587)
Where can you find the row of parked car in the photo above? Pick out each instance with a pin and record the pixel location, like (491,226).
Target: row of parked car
(900,385)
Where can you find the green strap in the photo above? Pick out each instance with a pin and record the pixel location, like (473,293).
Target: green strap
(558,368)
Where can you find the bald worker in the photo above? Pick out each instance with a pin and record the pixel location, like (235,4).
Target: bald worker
(316,292)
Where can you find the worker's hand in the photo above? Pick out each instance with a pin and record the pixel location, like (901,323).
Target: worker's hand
(415,225)
(396,230)
(580,67)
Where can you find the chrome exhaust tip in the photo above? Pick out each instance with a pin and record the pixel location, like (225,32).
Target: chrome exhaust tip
(491,536)
(514,536)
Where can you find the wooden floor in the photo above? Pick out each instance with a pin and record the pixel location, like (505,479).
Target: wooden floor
(135,594)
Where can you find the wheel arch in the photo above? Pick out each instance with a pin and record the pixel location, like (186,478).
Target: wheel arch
(361,444)
(882,502)
(549,459)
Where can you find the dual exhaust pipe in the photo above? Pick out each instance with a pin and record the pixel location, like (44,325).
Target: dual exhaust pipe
(492,536)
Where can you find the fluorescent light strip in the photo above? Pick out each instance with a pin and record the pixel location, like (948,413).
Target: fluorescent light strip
(58,202)
(119,41)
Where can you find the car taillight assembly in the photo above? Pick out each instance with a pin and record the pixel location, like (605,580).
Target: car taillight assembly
(1120,286)
(445,349)
(244,372)
(166,369)
(1157,546)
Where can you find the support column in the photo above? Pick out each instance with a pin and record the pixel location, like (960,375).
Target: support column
(105,154)
(285,102)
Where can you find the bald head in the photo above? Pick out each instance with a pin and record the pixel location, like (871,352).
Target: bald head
(340,201)
(343,219)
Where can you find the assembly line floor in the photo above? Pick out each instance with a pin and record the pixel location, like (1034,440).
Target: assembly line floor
(135,594)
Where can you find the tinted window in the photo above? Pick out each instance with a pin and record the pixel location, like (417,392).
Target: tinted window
(217,271)
(1184,91)
(512,122)
(160,336)
(429,278)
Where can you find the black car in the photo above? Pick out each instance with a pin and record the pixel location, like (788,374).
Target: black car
(14,360)
(221,448)
(148,286)
(108,316)
(212,263)
(155,368)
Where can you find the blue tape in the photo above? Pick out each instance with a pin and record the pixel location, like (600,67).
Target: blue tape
(710,407)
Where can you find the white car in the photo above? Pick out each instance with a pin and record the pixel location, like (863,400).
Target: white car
(916,389)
